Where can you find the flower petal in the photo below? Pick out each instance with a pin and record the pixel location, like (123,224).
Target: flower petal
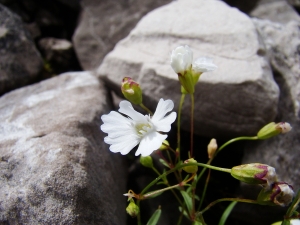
(163,107)
(127,109)
(204,64)
(122,144)
(164,125)
(116,125)
(150,143)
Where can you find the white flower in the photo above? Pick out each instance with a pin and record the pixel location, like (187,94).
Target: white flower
(181,59)
(204,64)
(124,133)
(295,222)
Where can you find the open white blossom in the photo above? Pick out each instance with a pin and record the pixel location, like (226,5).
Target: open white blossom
(204,64)
(124,133)
(181,59)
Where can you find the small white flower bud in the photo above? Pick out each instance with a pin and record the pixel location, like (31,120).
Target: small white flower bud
(211,148)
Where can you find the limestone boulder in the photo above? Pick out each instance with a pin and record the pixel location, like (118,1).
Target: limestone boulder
(20,62)
(237,99)
(282,44)
(279,11)
(55,167)
(103,23)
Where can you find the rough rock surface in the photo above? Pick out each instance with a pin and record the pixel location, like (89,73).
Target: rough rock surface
(59,54)
(104,23)
(283,151)
(55,168)
(282,43)
(278,11)
(20,62)
(236,99)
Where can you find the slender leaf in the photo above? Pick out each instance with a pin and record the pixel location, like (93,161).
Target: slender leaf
(155,217)
(164,163)
(226,213)
(188,201)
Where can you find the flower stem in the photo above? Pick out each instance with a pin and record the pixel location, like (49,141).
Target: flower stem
(179,123)
(192,124)
(179,166)
(204,189)
(228,200)
(235,139)
(146,109)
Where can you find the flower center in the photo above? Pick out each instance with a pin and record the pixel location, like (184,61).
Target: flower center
(143,128)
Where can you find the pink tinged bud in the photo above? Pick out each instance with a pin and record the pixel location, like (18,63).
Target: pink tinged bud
(272,129)
(131,90)
(284,127)
(280,194)
(190,169)
(255,173)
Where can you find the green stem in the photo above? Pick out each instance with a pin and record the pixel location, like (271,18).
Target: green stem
(179,166)
(145,108)
(204,190)
(179,123)
(192,124)
(235,139)
(145,196)
(176,196)
(228,200)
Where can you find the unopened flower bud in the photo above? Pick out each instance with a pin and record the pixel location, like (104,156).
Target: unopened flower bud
(146,161)
(211,148)
(131,90)
(164,145)
(272,129)
(181,62)
(132,209)
(190,169)
(281,194)
(255,173)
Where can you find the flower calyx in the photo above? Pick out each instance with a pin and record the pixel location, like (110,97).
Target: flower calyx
(132,209)
(131,90)
(190,169)
(272,129)
(281,193)
(255,173)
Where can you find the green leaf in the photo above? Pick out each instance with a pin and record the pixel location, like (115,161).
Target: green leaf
(226,213)
(155,217)
(164,163)
(188,201)
(184,212)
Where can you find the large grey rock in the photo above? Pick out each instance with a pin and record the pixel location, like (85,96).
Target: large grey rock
(283,151)
(236,99)
(104,23)
(278,11)
(20,62)
(282,44)
(55,168)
